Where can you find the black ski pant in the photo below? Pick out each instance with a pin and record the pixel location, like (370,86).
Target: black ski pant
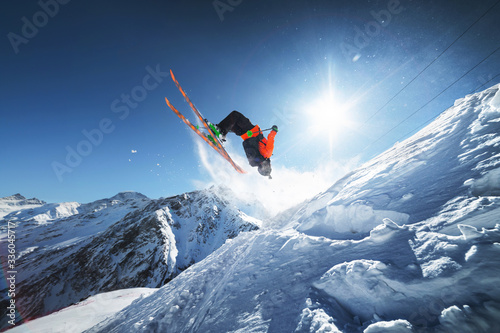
(235,122)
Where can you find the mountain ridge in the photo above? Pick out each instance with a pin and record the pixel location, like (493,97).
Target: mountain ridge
(124,241)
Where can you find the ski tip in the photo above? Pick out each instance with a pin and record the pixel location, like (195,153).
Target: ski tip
(172,74)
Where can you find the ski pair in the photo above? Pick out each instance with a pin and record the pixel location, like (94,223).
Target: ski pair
(211,139)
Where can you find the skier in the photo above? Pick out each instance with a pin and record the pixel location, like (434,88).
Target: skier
(257,148)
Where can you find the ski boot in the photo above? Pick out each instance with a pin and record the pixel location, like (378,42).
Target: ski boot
(216,131)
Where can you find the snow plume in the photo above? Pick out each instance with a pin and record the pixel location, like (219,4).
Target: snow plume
(288,187)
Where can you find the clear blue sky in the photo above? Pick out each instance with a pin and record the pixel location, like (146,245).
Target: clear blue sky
(319,70)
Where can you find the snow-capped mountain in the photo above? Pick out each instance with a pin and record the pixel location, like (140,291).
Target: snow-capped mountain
(69,251)
(17,202)
(409,242)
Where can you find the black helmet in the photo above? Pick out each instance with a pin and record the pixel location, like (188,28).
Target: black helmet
(265,168)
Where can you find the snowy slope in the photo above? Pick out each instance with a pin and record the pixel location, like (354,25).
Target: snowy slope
(85,314)
(68,252)
(276,282)
(457,157)
(409,242)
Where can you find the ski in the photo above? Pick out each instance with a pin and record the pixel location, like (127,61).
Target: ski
(212,139)
(197,112)
(204,137)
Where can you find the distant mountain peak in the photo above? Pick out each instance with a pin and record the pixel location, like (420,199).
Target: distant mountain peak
(16,196)
(128,195)
(18,199)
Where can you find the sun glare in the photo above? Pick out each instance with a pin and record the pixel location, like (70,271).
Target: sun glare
(327,119)
(326,114)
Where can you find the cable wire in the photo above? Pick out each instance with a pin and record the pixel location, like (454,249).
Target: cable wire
(432,99)
(434,117)
(433,61)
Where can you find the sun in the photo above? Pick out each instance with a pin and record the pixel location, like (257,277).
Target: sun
(326,114)
(327,120)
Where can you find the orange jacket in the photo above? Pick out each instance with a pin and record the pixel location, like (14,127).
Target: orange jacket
(266,146)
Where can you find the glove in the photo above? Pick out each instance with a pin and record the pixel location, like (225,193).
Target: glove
(275,128)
